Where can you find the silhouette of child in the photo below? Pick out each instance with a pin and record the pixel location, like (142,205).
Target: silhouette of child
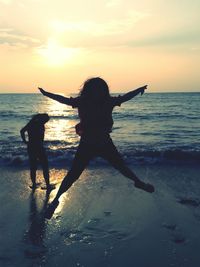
(95,105)
(36,151)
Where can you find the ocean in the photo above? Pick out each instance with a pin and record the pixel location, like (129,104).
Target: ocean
(153,128)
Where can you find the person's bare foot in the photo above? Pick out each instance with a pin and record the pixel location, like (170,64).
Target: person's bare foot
(50,209)
(146,187)
(49,187)
(34,186)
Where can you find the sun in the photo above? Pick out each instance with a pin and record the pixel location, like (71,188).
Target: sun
(55,54)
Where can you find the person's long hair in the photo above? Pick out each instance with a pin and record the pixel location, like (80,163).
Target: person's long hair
(95,90)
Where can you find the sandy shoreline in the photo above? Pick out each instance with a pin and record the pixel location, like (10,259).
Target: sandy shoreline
(103,220)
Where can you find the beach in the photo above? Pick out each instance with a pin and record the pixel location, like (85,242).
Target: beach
(103,220)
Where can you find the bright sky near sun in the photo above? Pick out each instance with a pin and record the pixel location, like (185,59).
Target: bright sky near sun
(57,44)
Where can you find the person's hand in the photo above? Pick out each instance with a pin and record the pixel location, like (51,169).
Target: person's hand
(142,89)
(42,90)
(25,142)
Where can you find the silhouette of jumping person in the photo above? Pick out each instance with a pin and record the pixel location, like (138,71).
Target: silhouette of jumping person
(36,151)
(95,105)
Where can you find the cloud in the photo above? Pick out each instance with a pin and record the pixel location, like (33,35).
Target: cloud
(113,3)
(11,37)
(110,27)
(6,2)
(169,39)
(90,34)
(17,2)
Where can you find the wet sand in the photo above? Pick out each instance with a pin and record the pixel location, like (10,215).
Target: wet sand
(103,220)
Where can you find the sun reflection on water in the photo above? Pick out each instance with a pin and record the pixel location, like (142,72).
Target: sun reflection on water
(61,125)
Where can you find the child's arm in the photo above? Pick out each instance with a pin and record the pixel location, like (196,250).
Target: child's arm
(59,98)
(133,93)
(22,132)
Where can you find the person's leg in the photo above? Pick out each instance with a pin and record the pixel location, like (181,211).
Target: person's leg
(80,161)
(33,166)
(33,169)
(45,166)
(111,154)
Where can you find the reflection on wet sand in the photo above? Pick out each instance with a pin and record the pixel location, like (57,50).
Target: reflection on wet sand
(34,236)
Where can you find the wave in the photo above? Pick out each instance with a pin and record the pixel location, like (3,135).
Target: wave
(63,157)
(6,115)
(15,115)
(64,117)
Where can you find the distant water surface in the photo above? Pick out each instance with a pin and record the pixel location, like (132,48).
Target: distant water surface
(156,127)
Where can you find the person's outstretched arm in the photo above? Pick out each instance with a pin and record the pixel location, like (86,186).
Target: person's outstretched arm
(59,98)
(133,93)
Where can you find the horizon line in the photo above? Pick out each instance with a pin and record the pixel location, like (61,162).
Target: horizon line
(157,92)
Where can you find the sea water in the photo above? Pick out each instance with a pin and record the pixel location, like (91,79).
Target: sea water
(154,128)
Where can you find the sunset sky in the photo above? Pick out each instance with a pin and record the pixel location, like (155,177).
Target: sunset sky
(57,44)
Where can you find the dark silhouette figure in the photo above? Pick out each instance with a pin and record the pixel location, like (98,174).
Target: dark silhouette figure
(36,151)
(95,105)
(37,228)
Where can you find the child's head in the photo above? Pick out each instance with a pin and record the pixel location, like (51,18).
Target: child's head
(95,89)
(41,118)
